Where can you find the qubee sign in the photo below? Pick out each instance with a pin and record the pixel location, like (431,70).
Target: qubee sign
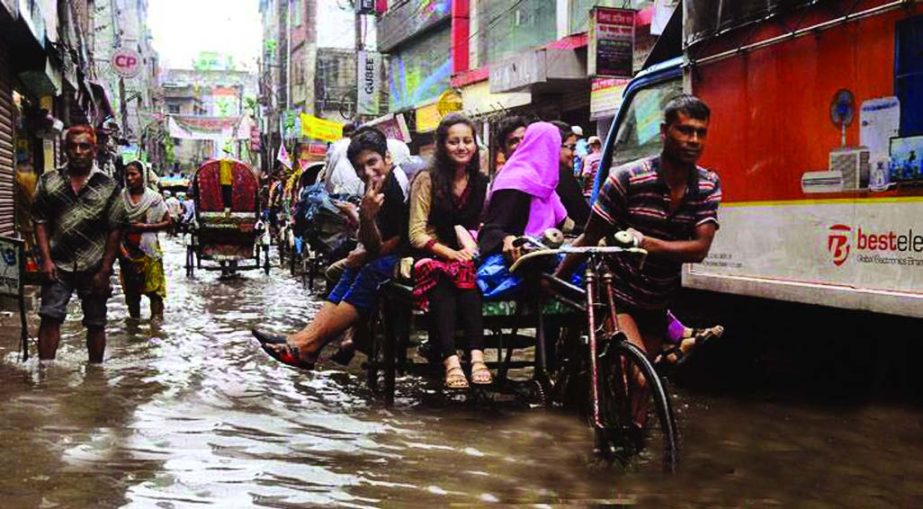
(369,83)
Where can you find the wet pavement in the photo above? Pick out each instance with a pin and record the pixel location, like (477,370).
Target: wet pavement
(191,413)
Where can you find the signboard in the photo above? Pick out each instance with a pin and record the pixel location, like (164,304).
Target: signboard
(317,128)
(10,267)
(393,125)
(11,272)
(518,72)
(606,97)
(126,62)
(477,99)
(611,42)
(427,118)
(368,75)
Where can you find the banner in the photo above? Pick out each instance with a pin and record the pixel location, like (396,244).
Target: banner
(283,157)
(208,128)
(606,97)
(319,129)
(369,83)
(611,42)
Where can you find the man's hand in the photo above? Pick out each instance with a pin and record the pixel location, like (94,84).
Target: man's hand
(356,258)
(511,252)
(373,200)
(101,284)
(349,210)
(49,270)
(639,237)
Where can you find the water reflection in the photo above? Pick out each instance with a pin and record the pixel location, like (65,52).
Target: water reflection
(191,412)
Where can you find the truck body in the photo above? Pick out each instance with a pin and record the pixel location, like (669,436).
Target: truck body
(817,135)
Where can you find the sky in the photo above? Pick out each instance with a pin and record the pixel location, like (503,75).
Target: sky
(183,28)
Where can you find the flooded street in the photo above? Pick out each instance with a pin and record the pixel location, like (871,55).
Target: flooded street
(193,413)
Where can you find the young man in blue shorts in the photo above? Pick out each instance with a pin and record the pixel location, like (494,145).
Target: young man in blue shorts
(383,219)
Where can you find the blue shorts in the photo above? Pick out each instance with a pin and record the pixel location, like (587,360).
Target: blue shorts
(359,287)
(56,294)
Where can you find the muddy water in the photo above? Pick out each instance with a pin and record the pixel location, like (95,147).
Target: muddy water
(191,413)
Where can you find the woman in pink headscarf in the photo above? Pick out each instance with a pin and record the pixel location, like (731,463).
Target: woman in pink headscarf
(523,198)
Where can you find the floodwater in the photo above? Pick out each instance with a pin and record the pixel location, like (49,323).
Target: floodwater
(191,413)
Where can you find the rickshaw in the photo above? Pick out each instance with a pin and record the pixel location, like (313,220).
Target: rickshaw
(294,248)
(589,365)
(227,227)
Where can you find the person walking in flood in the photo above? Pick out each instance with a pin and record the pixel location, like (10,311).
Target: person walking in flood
(78,220)
(140,256)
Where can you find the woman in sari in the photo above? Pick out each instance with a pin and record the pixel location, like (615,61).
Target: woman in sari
(141,260)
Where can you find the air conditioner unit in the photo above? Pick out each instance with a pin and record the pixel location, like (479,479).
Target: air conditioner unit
(853,164)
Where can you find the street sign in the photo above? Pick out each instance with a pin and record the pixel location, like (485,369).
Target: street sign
(126,62)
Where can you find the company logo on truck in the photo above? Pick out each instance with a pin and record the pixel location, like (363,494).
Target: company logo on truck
(838,243)
(840,238)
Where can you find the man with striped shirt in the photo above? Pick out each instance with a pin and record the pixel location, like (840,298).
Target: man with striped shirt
(670,205)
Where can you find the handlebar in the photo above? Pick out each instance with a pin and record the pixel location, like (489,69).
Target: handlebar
(590,250)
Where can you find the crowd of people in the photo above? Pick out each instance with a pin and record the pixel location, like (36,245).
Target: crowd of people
(446,218)
(450,219)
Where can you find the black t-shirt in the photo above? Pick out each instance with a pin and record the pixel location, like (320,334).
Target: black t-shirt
(572,197)
(507,214)
(393,217)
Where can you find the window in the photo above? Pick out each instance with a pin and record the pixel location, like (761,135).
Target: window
(639,133)
(173,108)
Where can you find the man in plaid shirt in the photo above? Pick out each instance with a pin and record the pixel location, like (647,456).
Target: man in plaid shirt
(78,216)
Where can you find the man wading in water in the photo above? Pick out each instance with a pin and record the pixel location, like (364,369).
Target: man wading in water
(78,224)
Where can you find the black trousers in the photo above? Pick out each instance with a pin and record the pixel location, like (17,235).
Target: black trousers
(451,307)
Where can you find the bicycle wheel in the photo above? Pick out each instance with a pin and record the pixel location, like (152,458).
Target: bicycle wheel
(631,393)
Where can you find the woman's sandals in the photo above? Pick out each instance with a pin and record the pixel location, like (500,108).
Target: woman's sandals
(455,379)
(480,374)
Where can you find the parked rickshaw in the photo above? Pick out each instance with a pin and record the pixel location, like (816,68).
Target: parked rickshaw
(227,227)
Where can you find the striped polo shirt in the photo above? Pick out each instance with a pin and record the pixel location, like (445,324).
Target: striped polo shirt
(637,196)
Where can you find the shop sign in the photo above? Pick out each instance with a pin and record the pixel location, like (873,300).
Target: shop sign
(611,37)
(368,75)
(10,266)
(519,72)
(316,128)
(477,99)
(126,62)
(428,118)
(606,96)
(393,125)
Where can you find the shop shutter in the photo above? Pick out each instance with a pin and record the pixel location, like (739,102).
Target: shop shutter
(7,177)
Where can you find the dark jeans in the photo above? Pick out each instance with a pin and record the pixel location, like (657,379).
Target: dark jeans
(449,306)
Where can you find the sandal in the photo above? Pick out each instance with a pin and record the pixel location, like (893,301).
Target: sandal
(268,338)
(480,374)
(290,355)
(699,338)
(455,379)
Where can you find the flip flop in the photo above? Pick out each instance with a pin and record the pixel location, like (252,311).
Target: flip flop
(289,355)
(268,338)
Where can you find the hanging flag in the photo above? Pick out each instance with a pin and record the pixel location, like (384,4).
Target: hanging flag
(284,158)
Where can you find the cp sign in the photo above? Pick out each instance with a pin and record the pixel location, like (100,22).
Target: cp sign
(126,62)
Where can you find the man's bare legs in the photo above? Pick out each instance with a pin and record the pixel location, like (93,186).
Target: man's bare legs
(96,344)
(648,342)
(49,336)
(331,321)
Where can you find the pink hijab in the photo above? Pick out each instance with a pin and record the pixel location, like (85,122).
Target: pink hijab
(533,169)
